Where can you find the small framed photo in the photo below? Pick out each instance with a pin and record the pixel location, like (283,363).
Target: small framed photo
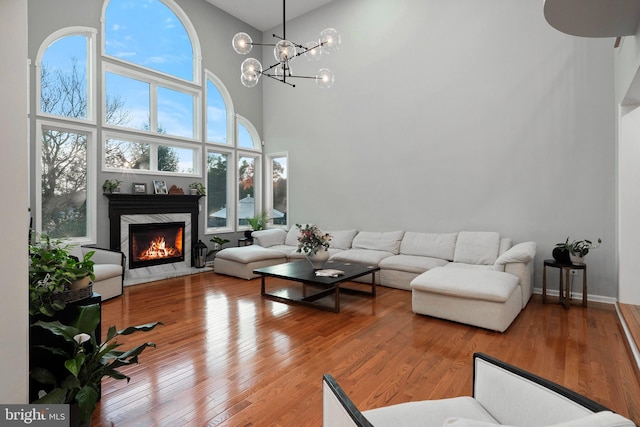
(139,188)
(160,187)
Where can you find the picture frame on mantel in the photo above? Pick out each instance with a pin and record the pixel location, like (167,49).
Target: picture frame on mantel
(160,187)
(139,188)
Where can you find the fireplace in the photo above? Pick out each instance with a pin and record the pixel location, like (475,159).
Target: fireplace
(156,243)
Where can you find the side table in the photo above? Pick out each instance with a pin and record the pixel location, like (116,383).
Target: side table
(564,290)
(245,241)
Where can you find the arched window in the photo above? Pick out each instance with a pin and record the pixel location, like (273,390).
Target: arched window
(152,35)
(219,112)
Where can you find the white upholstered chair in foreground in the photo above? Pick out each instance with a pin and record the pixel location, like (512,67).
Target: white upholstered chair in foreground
(502,395)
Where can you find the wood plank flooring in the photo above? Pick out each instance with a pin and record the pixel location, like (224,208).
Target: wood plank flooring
(226,356)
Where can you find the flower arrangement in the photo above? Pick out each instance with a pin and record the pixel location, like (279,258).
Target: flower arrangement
(311,239)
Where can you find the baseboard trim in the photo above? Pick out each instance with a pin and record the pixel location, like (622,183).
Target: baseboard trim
(578,296)
(630,342)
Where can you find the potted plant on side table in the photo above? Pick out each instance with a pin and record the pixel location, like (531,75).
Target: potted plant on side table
(257,223)
(575,251)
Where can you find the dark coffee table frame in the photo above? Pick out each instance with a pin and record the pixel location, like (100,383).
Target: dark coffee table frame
(302,272)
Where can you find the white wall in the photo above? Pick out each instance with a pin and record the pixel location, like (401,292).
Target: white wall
(454,115)
(13,185)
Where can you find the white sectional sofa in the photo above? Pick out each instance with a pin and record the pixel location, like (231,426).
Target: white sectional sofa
(472,277)
(502,395)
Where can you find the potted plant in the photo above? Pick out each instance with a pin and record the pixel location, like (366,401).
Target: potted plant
(314,243)
(54,271)
(85,361)
(197,188)
(111,186)
(575,251)
(257,222)
(217,243)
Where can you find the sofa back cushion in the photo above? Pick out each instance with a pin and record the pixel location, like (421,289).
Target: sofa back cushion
(270,237)
(386,241)
(292,236)
(477,247)
(342,239)
(435,245)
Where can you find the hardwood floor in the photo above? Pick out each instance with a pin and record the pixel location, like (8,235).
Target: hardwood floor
(225,356)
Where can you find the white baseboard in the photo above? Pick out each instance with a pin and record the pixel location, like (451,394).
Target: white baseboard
(578,296)
(627,333)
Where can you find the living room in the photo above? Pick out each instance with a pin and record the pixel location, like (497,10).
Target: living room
(444,116)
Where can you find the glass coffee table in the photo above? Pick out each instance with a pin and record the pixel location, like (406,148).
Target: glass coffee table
(311,290)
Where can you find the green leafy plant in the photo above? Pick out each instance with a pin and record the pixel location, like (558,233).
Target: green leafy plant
(199,187)
(258,221)
(86,361)
(52,269)
(578,247)
(217,244)
(110,184)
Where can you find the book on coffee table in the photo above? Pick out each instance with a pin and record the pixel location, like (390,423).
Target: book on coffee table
(329,273)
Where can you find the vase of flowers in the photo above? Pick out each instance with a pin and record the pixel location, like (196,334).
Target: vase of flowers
(314,243)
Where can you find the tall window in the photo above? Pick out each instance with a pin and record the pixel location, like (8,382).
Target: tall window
(277,192)
(65,165)
(220,213)
(249,200)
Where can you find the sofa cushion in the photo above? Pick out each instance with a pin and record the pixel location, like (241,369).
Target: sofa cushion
(386,241)
(477,247)
(342,239)
(361,256)
(410,263)
(248,254)
(485,285)
(292,237)
(106,271)
(599,419)
(268,238)
(427,413)
(522,252)
(436,245)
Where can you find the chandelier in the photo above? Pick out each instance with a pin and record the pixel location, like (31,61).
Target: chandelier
(285,51)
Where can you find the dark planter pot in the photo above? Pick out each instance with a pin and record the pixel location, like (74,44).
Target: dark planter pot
(247,233)
(561,255)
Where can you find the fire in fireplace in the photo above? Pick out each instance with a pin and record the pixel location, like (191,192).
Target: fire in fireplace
(154,244)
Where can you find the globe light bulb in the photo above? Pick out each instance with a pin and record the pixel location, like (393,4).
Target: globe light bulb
(313,52)
(330,40)
(284,51)
(325,78)
(242,43)
(283,70)
(251,69)
(249,82)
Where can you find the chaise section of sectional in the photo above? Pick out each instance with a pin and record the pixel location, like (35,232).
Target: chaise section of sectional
(240,262)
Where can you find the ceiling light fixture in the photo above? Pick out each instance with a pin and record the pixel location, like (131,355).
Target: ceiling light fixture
(286,51)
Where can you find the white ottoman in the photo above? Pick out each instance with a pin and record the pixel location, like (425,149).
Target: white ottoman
(240,262)
(485,298)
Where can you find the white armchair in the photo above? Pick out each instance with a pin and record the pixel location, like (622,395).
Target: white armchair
(502,395)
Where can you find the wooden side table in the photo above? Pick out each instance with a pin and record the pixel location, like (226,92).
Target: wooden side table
(564,291)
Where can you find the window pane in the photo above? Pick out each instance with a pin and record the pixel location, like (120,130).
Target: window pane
(64,183)
(217,189)
(175,159)
(244,137)
(246,201)
(149,34)
(279,195)
(127,102)
(216,115)
(64,78)
(175,113)
(121,154)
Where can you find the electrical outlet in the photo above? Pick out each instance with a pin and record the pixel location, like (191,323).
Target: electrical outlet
(574,272)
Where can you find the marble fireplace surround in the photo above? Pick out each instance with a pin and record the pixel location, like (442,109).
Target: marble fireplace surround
(125,209)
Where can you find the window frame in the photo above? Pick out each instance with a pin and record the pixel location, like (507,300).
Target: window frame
(268,178)
(191,32)
(154,142)
(226,97)
(90,34)
(257,183)
(92,192)
(253,132)
(231,191)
